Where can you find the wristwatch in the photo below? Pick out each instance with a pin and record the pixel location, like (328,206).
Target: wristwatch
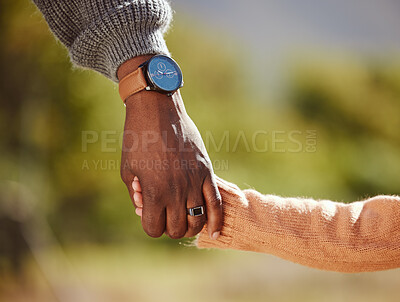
(161,73)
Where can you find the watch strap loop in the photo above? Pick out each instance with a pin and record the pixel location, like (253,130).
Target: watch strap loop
(132,83)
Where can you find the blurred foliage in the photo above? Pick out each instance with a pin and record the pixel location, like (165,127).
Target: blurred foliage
(351,103)
(356,104)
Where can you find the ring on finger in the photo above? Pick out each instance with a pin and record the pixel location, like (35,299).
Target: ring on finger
(196,211)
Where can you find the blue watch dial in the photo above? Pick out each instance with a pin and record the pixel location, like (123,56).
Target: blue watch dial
(164,73)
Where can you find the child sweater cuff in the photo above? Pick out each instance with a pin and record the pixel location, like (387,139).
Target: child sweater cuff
(234,202)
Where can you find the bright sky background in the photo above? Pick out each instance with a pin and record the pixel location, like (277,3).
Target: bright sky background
(361,25)
(273,31)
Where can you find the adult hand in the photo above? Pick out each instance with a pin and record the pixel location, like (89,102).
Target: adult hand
(164,149)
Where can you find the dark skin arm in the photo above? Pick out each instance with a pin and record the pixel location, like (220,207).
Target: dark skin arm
(164,149)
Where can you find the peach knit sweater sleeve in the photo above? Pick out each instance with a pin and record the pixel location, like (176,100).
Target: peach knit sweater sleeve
(357,237)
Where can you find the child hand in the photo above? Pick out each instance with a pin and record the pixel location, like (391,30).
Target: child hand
(137,196)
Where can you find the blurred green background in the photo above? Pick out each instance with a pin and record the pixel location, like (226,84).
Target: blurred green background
(67,227)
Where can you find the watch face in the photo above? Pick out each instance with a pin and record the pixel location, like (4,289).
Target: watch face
(164,73)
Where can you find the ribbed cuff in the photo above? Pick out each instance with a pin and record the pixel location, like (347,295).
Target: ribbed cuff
(120,35)
(233,203)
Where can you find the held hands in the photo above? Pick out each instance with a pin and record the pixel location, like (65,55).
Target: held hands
(163,148)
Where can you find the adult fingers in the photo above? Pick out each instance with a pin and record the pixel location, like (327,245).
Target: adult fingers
(176,219)
(214,207)
(195,223)
(153,214)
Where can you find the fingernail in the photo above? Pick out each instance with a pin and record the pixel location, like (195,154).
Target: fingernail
(215,235)
(135,178)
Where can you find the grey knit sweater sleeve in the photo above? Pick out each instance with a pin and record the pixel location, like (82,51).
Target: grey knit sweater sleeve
(102,34)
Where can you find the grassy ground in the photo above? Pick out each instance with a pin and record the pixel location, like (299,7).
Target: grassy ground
(139,273)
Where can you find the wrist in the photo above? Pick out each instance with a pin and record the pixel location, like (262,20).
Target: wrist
(152,106)
(148,103)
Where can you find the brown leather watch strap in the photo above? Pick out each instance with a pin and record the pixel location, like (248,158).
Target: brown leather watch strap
(132,83)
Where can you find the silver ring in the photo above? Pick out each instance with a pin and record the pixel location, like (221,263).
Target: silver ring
(196,211)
